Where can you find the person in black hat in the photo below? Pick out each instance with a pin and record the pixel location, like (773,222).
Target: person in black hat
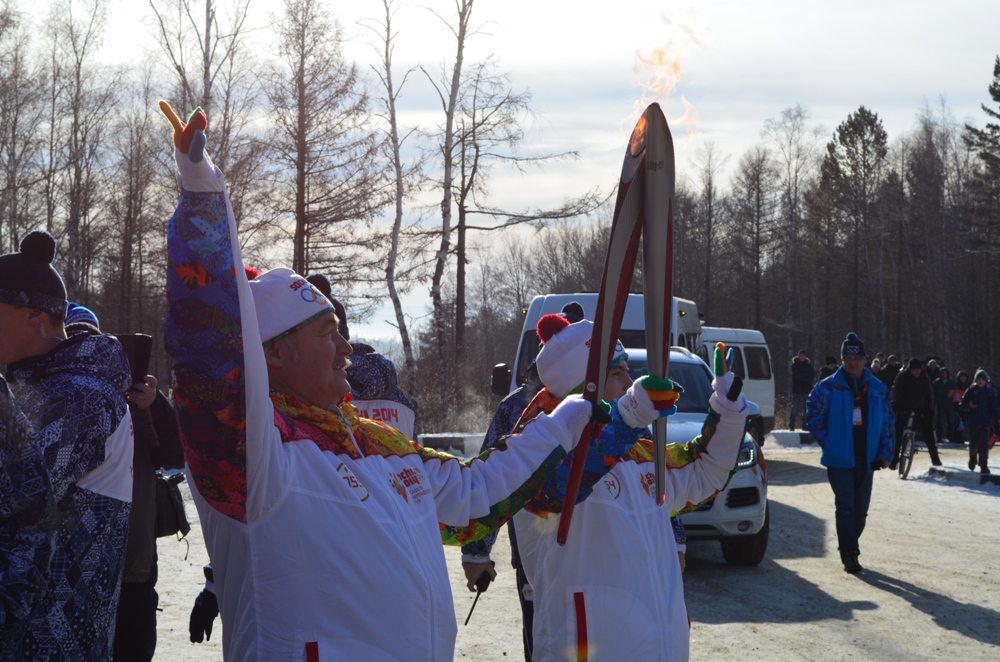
(828,368)
(849,415)
(890,369)
(66,449)
(912,392)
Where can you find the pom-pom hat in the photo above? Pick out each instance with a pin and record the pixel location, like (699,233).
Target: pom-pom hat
(562,361)
(27,278)
(285,302)
(853,346)
(77,314)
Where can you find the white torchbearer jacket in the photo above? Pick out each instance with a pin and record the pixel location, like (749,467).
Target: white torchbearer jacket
(324,529)
(614,591)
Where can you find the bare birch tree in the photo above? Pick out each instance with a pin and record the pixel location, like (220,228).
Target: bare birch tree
(490,130)
(448,92)
(87,93)
(206,52)
(198,48)
(21,113)
(404,178)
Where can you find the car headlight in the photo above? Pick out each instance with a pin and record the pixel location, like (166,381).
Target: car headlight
(748,454)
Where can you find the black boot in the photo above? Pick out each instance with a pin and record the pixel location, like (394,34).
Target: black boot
(850,561)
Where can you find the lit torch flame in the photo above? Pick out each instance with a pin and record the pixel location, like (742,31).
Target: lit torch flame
(662,68)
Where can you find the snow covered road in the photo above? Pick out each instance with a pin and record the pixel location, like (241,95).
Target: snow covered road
(930,590)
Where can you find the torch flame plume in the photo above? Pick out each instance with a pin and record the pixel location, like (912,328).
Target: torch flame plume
(660,71)
(663,67)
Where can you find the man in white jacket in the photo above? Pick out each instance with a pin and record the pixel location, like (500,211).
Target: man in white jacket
(323,528)
(614,591)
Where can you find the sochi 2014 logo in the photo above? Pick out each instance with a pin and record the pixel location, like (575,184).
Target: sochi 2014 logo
(398,486)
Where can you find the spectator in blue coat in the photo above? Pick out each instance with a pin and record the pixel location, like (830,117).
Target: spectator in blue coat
(848,414)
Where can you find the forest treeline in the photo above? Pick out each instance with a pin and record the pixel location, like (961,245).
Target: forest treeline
(810,233)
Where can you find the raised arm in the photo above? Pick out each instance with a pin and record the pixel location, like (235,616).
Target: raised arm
(211,332)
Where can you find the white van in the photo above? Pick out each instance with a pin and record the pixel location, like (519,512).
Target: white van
(685,331)
(752,362)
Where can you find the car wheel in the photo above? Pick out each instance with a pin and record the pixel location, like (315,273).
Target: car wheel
(748,550)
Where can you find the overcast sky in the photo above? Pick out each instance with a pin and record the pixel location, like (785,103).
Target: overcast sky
(743,62)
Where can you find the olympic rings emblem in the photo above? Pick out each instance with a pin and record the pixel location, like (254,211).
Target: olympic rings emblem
(309,295)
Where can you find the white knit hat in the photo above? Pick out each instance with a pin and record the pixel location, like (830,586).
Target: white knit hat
(285,301)
(562,361)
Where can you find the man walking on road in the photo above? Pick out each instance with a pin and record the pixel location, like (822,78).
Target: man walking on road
(848,413)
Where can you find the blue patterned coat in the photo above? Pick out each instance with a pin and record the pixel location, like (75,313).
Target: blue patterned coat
(65,494)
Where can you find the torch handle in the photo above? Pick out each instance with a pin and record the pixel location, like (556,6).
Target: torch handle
(576,467)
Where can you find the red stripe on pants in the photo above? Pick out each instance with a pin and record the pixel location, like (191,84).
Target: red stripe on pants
(312,651)
(581,628)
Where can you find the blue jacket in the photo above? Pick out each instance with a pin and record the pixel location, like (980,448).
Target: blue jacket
(985,411)
(829,417)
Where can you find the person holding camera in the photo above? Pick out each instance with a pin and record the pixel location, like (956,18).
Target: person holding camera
(848,414)
(65,468)
(157,444)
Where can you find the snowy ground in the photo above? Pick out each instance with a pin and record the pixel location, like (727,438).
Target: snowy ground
(930,591)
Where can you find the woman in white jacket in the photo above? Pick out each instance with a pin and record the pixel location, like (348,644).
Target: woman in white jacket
(614,591)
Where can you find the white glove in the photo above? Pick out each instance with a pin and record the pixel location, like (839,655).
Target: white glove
(638,408)
(720,401)
(571,416)
(194,166)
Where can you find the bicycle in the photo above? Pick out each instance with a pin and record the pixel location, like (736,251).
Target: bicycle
(908,448)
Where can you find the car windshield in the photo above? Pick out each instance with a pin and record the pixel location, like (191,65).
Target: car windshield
(694,377)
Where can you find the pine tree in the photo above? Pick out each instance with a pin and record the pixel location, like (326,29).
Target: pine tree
(986,142)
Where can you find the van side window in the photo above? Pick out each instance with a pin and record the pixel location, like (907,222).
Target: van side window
(703,353)
(530,347)
(634,338)
(758,364)
(738,362)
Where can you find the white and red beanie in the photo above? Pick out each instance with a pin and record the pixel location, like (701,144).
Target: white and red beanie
(562,361)
(285,302)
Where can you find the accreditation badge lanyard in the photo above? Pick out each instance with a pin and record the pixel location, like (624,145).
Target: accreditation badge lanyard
(858,399)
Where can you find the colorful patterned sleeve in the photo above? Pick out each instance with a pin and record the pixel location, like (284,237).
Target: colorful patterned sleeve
(816,412)
(202,332)
(681,455)
(603,454)
(501,511)
(887,435)
(504,420)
